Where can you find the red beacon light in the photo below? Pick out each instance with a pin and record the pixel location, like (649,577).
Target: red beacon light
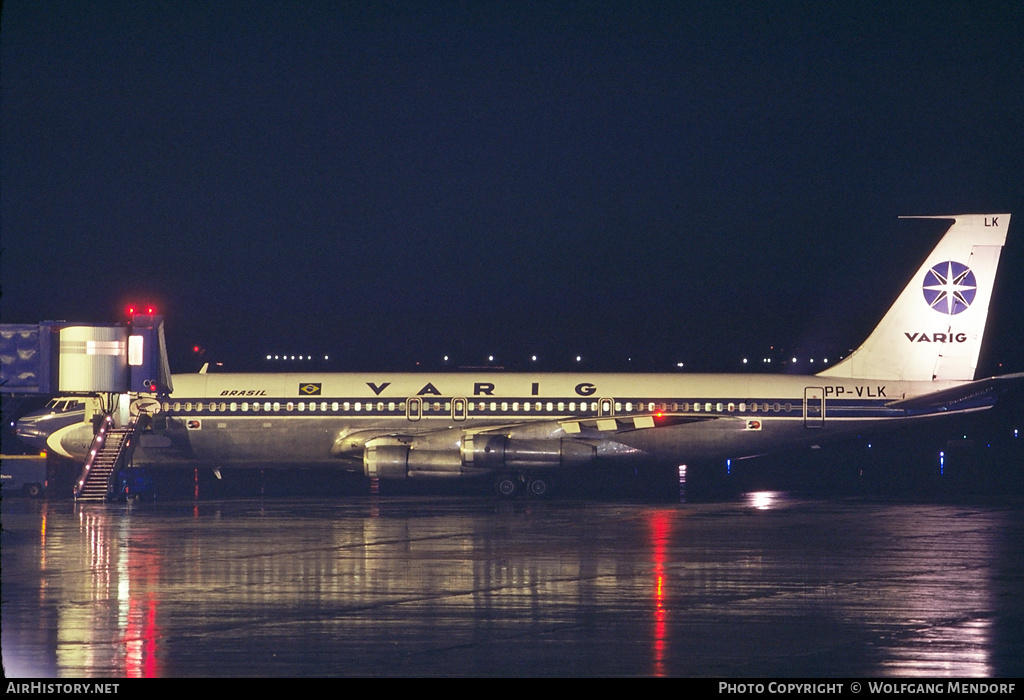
(132,310)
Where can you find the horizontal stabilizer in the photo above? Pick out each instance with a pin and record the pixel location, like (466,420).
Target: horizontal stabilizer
(977,394)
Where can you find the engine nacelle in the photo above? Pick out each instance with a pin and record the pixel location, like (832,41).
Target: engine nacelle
(491,452)
(390,459)
(402,458)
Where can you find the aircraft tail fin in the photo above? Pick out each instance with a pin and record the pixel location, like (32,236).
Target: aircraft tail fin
(935,328)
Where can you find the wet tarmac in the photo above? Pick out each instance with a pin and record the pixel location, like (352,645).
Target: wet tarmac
(766,585)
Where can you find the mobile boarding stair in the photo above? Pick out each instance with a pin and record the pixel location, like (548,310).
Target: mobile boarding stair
(111,448)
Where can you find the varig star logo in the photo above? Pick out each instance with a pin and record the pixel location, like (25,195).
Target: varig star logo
(949,287)
(310,389)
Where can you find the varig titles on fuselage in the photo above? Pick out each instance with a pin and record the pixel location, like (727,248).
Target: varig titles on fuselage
(479,389)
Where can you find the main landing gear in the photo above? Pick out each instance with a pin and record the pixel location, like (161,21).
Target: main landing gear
(512,484)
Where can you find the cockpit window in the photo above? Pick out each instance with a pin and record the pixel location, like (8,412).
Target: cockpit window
(64,405)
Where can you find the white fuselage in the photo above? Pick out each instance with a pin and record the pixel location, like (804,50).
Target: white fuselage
(264,420)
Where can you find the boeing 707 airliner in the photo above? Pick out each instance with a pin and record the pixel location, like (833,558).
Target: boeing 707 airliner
(919,362)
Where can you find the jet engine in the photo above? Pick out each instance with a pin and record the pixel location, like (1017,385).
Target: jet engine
(400,458)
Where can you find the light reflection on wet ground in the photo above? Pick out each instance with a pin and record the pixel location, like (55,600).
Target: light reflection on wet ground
(764,586)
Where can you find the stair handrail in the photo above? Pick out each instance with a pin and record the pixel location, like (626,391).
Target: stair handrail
(97,445)
(94,448)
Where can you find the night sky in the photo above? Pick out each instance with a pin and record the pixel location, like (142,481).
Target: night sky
(639,184)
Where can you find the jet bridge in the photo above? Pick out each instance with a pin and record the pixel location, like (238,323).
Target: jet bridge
(106,361)
(57,357)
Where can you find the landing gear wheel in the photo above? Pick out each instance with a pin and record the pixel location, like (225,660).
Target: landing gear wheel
(538,487)
(506,486)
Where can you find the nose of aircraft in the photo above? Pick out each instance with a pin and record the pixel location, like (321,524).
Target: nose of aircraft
(29,431)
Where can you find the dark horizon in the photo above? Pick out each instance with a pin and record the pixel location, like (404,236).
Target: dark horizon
(639,184)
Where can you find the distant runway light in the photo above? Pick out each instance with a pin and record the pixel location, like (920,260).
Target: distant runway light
(490,358)
(533,357)
(794,360)
(578,358)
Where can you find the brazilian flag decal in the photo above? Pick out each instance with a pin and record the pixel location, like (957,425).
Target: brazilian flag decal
(310,389)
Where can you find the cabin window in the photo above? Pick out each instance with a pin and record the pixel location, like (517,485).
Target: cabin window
(789,407)
(289,406)
(777,408)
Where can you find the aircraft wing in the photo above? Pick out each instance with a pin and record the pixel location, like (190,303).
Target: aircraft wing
(980,393)
(618,424)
